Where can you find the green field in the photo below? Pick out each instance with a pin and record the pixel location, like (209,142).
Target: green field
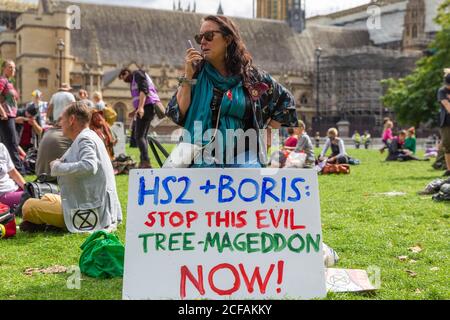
(366,229)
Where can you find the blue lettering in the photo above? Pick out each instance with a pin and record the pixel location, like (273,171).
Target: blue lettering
(267,191)
(253,182)
(167,189)
(142,192)
(187,184)
(226,186)
(296,190)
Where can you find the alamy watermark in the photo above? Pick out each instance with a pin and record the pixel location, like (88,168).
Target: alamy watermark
(227,148)
(75,17)
(374,20)
(74,280)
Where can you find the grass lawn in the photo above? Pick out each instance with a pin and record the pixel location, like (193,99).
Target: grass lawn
(365,228)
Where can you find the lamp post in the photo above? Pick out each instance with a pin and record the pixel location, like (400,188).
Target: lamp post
(318,53)
(60,46)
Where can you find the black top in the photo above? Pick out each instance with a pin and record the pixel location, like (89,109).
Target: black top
(444,94)
(141,80)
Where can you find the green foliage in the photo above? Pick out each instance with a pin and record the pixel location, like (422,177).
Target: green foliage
(365,228)
(413,98)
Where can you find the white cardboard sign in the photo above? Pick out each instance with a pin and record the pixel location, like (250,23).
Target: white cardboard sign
(223,234)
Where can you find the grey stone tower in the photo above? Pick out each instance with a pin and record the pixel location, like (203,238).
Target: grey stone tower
(296,15)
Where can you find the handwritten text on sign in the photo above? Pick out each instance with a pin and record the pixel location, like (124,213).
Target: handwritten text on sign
(217,233)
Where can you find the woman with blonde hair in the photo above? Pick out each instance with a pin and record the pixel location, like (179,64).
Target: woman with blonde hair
(387,135)
(97,98)
(338,154)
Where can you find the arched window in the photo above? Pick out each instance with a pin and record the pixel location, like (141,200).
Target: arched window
(304,99)
(414,31)
(43,77)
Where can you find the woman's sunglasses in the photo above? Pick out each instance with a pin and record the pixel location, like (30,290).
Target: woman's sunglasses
(209,36)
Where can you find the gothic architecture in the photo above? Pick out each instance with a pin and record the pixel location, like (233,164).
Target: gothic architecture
(87,45)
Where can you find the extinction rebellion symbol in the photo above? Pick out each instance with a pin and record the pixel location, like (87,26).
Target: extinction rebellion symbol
(85,220)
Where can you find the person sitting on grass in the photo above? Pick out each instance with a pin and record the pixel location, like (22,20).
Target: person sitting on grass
(11,181)
(291,142)
(366,139)
(410,141)
(397,150)
(88,200)
(338,154)
(305,145)
(356,139)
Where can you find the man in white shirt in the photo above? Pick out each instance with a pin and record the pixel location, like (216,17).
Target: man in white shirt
(88,200)
(59,101)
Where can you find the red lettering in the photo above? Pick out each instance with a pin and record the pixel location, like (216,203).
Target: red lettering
(191,216)
(286,218)
(259,218)
(151,221)
(198,284)
(242,222)
(162,216)
(236,284)
(276,221)
(176,215)
(209,214)
(256,276)
(293,226)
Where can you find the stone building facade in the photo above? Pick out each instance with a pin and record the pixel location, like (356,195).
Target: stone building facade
(353,59)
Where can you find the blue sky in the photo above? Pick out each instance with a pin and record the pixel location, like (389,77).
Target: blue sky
(238,8)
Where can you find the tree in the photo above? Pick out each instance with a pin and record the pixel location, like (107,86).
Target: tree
(413,98)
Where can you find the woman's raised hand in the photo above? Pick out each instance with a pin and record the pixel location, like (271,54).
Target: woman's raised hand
(192,57)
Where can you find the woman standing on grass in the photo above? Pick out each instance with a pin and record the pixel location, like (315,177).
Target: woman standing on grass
(8,104)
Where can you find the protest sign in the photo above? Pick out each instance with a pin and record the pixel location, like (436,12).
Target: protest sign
(223,233)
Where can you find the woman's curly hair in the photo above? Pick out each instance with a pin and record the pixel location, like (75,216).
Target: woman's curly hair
(238,60)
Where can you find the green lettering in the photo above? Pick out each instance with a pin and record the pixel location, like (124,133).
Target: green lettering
(173,241)
(264,247)
(250,242)
(212,241)
(160,238)
(279,237)
(144,237)
(292,238)
(226,242)
(310,241)
(187,242)
(239,245)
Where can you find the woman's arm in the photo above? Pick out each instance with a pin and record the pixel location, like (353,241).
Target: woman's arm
(342,152)
(35,125)
(17,177)
(184,98)
(325,148)
(281,104)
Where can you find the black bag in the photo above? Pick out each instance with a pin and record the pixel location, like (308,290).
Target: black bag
(30,160)
(36,190)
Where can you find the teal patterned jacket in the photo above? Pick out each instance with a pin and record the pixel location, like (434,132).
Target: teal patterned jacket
(269,101)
